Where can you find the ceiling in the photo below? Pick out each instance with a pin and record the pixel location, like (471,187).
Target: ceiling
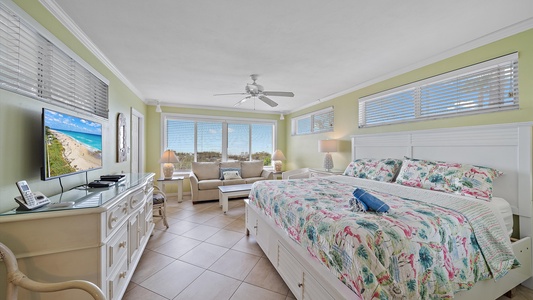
(182,52)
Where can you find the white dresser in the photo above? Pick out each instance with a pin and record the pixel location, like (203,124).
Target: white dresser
(100,238)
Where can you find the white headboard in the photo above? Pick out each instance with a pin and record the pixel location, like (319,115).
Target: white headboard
(506,147)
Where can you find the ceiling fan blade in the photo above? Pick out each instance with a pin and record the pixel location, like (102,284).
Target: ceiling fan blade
(230,94)
(242,101)
(280,94)
(268,101)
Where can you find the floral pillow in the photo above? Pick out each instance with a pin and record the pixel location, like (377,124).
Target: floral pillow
(463,179)
(375,169)
(222,170)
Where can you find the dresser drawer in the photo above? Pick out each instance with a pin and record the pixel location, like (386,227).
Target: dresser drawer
(136,199)
(117,248)
(115,216)
(118,281)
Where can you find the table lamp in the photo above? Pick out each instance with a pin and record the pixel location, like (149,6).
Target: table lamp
(168,159)
(277,157)
(327,146)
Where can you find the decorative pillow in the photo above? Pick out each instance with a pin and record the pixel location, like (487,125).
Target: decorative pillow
(222,170)
(231,175)
(375,169)
(463,179)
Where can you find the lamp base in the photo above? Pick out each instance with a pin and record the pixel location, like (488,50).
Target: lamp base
(277,165)
(168,170)
(328,162)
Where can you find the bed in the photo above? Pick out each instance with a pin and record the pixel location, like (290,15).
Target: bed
(291,221)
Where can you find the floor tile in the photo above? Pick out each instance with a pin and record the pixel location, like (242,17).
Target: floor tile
(237,225)
(265,275)
(173,279)
(151,262)
(225,238)
(203,255)
(247,291)
(201,232)
(140,293)
(182,226)
(235,264)
(210,285)
(159,237)
(248,244)
(219,221)
(177,247)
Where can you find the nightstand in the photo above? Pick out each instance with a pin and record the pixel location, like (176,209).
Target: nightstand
(323,172)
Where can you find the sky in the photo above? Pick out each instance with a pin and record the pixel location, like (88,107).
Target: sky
(60,121)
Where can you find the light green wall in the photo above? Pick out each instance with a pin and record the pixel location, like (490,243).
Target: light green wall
(302,151)
(20,123)
(154,134)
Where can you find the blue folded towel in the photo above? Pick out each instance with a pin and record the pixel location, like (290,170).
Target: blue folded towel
(369,201)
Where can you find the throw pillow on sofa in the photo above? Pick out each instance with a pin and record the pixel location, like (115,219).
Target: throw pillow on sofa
(223,170)
(228,175)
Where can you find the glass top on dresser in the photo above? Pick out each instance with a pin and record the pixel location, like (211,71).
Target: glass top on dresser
(87,198)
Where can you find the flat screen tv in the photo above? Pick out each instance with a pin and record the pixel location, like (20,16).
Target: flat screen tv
(71,144)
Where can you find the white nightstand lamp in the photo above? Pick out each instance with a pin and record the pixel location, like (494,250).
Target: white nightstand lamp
(327,146)
(277,157)
(168,159)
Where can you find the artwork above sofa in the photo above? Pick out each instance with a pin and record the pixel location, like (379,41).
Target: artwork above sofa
(206,177)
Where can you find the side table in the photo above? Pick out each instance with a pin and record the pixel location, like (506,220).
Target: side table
(176,179)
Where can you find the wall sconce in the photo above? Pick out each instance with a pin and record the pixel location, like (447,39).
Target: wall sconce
(158,108)
(328,146)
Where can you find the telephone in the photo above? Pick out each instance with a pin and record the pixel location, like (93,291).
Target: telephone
(29,200)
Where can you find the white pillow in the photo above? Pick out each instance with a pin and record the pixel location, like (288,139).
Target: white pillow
(231,175)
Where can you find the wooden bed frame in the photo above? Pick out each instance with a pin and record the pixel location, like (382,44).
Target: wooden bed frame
(506,147)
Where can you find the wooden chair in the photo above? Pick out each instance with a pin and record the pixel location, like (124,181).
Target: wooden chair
(160,204)
(16,278)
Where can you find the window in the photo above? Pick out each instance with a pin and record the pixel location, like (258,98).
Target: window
(33,66)
(206,139)
(316,122)
(485,87)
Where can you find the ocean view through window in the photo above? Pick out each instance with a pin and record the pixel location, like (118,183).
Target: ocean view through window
(210,140)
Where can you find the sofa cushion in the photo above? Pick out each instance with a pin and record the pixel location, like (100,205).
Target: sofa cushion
(209,184)
(253,179)
(251,168)
(206,170)
(233,181)
(230,164)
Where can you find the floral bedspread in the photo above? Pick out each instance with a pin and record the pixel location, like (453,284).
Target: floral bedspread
(416,251)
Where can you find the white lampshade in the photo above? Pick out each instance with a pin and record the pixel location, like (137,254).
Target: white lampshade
(327,146)
(168,159)
(277,157)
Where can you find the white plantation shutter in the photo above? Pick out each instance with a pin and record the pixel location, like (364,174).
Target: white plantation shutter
(485,87)
(33,66)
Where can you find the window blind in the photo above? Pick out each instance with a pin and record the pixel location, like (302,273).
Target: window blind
(33,66)
(315,122)
(485,87)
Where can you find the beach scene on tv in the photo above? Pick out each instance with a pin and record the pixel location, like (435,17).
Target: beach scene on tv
(72,144)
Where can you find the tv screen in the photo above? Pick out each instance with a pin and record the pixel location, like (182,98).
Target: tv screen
(71,144)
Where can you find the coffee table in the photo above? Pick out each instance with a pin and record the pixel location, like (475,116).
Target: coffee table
(236,190)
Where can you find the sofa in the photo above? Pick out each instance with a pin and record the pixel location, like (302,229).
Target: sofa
(206,177)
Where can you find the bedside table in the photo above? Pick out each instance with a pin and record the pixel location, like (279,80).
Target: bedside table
(323,172)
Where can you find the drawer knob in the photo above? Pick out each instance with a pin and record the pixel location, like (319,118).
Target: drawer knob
(122,244)
(114,219)
(300,285)
(122,275)
(125,209)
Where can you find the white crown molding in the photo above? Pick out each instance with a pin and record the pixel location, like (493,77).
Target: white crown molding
(481,41)
(60,15)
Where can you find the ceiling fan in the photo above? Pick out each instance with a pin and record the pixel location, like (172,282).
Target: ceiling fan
(254,90)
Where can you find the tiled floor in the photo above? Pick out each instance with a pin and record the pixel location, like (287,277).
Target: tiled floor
(206,255)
